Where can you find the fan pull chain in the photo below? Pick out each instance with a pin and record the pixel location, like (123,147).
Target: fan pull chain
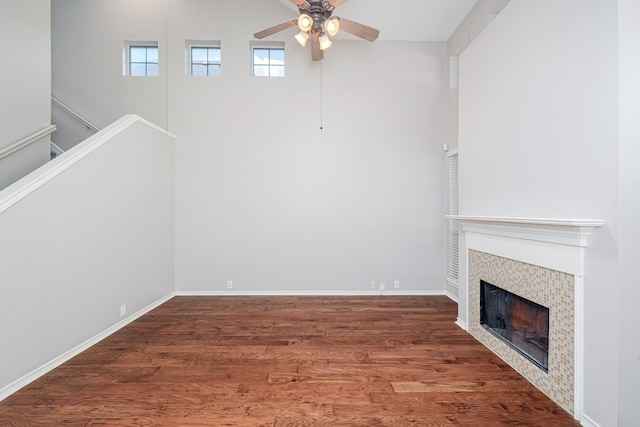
(321,98)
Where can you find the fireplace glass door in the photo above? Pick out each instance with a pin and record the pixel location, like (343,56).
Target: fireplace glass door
(522,324)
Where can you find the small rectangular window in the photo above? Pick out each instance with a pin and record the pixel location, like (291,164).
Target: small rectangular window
(267,60)
(204,58)
(141,59)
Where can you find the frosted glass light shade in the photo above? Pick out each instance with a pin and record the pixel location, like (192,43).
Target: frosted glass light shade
(332,26)
(302,38)
(325,43)
(305,22)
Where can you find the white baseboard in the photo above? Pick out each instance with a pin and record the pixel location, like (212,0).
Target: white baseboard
(49,366)
(588,422)
(451,296)
(386,293)
(462,324)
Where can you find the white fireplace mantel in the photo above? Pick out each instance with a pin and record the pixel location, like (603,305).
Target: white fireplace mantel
(553,243)
(573,232)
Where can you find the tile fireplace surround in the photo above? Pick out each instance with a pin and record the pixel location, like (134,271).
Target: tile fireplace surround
(541,260)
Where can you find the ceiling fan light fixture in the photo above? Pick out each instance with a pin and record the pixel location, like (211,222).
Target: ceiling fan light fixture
(325,43)
(317,23)
(302,38)
(305,22)
(332,26)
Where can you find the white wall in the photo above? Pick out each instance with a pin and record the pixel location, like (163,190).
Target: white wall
(539,138)
(25,83)
(471,27)
(264,197)
(25,160)
(269,200)
(87,63)
(97,235)
(629,296)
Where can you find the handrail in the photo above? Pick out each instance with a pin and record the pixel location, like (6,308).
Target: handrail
(21,189)
(24,142)
(73,114)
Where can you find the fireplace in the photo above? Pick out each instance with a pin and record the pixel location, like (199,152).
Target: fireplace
(519,322)
(542,286)
(540,261)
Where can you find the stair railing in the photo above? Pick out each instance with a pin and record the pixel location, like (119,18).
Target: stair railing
(25,142)
(70,111)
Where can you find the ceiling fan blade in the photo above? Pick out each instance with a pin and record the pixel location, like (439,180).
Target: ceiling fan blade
(336,3)
(359,30)
(275,29)
(316,53)
(301,4)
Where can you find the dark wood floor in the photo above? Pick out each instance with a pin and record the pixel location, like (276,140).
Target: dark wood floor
(287,361)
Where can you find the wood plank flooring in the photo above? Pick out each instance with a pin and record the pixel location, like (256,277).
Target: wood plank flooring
(287,361)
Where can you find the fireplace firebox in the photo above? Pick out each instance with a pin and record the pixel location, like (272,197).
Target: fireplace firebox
(520,323)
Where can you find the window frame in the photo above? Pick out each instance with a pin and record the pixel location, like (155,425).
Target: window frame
(204,44)
(128,45)
(267,46)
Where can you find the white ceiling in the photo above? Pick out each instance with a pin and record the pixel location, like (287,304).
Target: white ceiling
(406,20)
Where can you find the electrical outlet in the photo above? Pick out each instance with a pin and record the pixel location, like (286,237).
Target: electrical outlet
(396,284)
(382,286)
(123,310)
(373,284)
(229,284)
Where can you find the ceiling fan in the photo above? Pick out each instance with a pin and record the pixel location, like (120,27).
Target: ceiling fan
(316,23)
